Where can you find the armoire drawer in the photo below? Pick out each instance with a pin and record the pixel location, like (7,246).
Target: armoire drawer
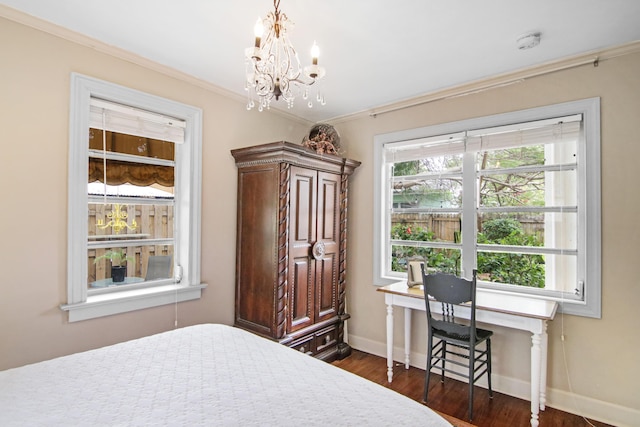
(305,345)
(325,338)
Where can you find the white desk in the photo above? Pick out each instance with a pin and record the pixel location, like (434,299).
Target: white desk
(511,311)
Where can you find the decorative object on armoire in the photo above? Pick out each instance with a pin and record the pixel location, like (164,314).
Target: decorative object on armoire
(323,139)
(291,246)
(272,65)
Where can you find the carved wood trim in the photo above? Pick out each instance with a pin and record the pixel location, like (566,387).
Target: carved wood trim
(294,154)
(342,260)
(283,251)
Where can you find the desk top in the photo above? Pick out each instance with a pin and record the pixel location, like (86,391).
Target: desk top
(520,305)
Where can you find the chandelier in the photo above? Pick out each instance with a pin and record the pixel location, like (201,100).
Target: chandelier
(273,68)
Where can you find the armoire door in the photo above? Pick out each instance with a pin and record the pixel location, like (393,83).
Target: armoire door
(327,235)
(302,237)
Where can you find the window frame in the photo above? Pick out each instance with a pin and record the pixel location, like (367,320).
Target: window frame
(589,200)
(186,286)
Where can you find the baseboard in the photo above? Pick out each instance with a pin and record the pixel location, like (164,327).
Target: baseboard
(598,410)
(594,409)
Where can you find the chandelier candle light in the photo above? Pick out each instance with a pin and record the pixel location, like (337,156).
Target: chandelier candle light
(117,220)
(273,67)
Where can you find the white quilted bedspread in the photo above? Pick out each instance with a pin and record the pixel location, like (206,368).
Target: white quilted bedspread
(205,375)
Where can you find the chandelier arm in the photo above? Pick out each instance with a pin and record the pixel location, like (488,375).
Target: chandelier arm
(302,82)
(290,64)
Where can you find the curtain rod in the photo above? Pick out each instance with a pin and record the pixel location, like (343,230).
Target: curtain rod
(594,61)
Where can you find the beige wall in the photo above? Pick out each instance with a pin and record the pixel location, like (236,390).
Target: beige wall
(34,114)
(34,101)
(602,353)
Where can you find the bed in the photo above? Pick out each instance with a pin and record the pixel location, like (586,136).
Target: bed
(210,374)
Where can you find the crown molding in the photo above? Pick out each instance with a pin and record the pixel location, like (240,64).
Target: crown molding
(99,46)
(500,80)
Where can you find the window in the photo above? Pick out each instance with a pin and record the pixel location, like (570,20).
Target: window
(514,196)
(134,200)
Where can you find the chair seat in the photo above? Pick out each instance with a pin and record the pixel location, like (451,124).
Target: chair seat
(481,334)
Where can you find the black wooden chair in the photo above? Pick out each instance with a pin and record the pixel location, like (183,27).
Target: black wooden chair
(457,341)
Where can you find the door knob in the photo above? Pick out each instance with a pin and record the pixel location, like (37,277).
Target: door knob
(318,250)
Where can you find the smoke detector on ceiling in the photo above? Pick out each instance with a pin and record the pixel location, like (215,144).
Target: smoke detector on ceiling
(528,40)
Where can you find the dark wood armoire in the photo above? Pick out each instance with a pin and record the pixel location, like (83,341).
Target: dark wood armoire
(291,246)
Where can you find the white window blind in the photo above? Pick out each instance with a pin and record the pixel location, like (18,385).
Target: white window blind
(556,130)
(404,151)
(132,121)
(553,131)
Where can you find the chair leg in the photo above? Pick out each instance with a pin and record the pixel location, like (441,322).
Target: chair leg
(470,380)
(428,372)
(489,367)
(472,364)
(444,358)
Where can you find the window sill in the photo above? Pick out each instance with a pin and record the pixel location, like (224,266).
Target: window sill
(125,301)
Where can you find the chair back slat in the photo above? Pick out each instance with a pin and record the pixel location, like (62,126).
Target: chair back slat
(448,312)
(450,290)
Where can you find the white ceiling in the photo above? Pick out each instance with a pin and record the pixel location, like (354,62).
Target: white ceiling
(375,52)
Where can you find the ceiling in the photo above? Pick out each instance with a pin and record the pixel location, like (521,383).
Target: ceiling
(375,53)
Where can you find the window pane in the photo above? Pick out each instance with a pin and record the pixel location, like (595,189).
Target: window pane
(431,182)
(511,157)
(416,192)
(561,273)
(552,153)
(437,164)
(113,222)
(130,144)
(535,176)
(413,167)
(541,188)
(140,174)
(550,272)
(522,183)
(514,189)
(117,266)
(425,227)
(436,259)
(512,268)
(550,230)
(561,188)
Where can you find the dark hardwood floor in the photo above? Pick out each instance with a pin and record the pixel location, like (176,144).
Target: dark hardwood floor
(451,397)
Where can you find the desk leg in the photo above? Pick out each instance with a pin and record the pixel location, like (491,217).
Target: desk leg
(544,345)
(536,359)
(407,336)
(390,342)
